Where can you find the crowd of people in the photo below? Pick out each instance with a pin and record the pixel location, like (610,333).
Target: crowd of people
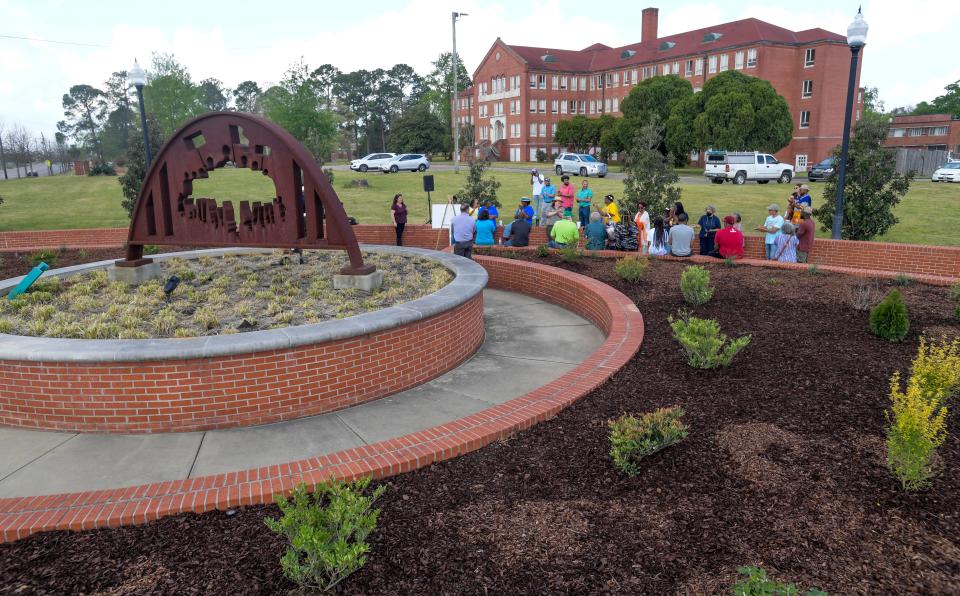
(788,239)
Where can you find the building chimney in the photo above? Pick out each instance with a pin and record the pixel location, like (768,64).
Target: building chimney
(648,31)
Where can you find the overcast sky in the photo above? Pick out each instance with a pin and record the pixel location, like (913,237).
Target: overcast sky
(910,56)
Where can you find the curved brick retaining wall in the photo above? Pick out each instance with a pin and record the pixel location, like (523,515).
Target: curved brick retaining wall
(910,259)
(616,314)
(146,386)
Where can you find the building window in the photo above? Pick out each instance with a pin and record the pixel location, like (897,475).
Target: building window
(542,106)
(616,104)
(563,82)
(616,79)
(583,83)
(633,75)
(533,129)
(809,58)
(805,119)
(699,66)
(807,89)
(563,107)
(593,106)
(543,129)
(609,79)
(712,61)
(676,68)
(573,106)
(738,60)
(724,62)
(533,81)
(554,106)
(665,69)
(689,69)
(915,132)
(554,82)
(542,81)
(533,154)
(533,106)
(553,130)
(606,105)
(896,132)
(751,58)
(938,131)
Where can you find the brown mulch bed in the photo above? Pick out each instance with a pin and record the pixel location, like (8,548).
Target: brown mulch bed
(15,264)
(784,468)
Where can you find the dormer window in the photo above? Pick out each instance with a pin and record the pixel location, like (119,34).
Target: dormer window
(709,37)
(627,54)
(548,58)
(667,45)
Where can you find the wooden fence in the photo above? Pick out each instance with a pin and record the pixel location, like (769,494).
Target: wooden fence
(922,162)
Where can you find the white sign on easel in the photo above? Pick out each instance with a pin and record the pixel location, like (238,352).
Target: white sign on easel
(442,215)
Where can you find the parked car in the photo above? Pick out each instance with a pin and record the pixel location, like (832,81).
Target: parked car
(581,164)
(738,167)
(371,162)
(822,171)
(950,172)
(414,162)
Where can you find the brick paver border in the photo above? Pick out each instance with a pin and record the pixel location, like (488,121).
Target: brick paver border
(615,314)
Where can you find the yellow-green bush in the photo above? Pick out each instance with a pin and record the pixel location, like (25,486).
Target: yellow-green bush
(916,427)
(631,268)
(937,368)
(695,285)
(633,438)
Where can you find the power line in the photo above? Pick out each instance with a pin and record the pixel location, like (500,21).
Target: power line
(68,43)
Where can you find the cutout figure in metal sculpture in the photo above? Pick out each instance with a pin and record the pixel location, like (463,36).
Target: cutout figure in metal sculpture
(306,213)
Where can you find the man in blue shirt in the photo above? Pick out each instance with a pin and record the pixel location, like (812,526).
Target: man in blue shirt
(463,230)
(804,198)
(549,194)
(491,209)
(526,209)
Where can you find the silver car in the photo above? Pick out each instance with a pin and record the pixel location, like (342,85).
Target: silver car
(581,164)
(413,162)
(374,161)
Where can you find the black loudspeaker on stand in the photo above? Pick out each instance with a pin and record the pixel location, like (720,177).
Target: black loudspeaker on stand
(428,188)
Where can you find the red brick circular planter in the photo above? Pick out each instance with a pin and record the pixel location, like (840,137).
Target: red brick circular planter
(609,309)
(232,381)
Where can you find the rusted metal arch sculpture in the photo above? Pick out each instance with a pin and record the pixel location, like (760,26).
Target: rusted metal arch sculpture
(306,213)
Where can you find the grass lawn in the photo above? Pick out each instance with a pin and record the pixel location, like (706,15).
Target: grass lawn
(928,214)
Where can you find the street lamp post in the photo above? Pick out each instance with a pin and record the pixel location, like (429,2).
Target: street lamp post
(856,39)
(454,103)
(138,79)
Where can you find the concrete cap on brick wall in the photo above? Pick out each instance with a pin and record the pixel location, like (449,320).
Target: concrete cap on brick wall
(470,279)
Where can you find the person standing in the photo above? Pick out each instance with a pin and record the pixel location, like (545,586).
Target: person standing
(642,219)
(786,244)
(485,229)
(806,233)
(771,226)
(463,230)
(564,234)
(729,240)
(566,193)
(474,210)
(536,181)
(673,217)
(398,213)
(526,210)
(584,199)
(549,194)
(681,237)
(709,224)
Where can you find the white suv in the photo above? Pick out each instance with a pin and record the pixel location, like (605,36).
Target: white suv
(581,164)
(371,162)
(413,162)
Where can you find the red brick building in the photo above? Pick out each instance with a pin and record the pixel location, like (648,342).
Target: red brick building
(931,132)
(519,93)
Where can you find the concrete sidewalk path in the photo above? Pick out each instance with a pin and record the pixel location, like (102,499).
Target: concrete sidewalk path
(528,344)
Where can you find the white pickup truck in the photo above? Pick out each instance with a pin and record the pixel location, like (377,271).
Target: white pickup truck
(739,167)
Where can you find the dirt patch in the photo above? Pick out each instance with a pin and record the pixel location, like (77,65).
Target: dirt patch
(546,512)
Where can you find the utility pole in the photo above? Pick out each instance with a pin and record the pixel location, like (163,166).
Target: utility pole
(455,101)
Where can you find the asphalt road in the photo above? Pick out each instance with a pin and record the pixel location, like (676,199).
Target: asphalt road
(39,168)
(519,170)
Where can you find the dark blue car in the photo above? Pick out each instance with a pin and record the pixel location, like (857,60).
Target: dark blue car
(821,171)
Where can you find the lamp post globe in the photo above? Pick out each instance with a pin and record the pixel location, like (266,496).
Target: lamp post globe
(856,39)
(138,79)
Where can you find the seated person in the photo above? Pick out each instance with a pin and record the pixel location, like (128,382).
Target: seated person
(519,233)
(564,234)
(625,236)
(596,233)
(681,237)
(729,240)
(485,229)
(552,214)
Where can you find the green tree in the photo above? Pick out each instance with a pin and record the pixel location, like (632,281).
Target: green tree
(247,96)
(213,95)
(873,186)
(295,105)
(580,133)
(651,100)
(948,103)
(170,94)
(85,108)
(650,174)
(478,185)
(326,77)
(439,89)
(132,180)
(735,112)
(418,130)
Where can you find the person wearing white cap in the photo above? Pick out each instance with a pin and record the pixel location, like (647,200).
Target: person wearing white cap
(771,226)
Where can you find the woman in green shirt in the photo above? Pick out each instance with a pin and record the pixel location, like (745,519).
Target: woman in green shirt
(584,198)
